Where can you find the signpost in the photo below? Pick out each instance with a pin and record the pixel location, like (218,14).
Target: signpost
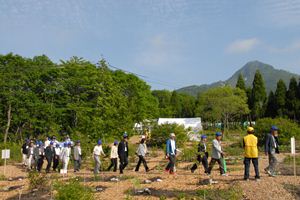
(5,155)
(293,152)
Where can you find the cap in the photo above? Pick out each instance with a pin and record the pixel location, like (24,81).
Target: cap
(172,134)
(65,144)
(203,136)
(125,135)
(51,143)
(274,128)
(78,141)
(116,142)
(99,142)
(250,129)
(218,134)
(57,145)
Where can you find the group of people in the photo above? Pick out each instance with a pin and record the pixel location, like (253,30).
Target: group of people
(34,152)
(55,152)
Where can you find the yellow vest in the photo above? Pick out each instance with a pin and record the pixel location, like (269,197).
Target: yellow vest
(250,142)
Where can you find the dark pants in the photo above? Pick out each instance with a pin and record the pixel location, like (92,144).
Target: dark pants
(204,162)
(141,160)
(123,163)
(213,162)
(40,163)
(247,166)
(113,163)
(171,164)
(55,163)
(49,162)
(77,164)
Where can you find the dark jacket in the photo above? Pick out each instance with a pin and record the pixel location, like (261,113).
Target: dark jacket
(38,153)
(270,146)
(25,148)
(202,151)
(49,152)
(121,149)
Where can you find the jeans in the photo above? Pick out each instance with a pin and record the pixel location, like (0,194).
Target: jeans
(204,162)
(272,163)
(49,162)
(141,160)
(97,164)
(113,163)
(213,162)
(55,162)
(123,163)
(171,164)
(247,166)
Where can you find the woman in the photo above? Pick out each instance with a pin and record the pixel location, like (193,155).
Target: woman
(141,152)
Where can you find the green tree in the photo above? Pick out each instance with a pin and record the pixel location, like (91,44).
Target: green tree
(258,96)
(223,104)
(280,98)
(271,106)
(176,104)
(241,83)
(291,99)
(164,100)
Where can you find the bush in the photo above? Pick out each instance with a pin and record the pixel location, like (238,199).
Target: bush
(73,190)
(287,129)
(37,180)
(161,133)
(15,152)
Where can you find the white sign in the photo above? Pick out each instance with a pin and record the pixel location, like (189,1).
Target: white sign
(5,154)
(293,146)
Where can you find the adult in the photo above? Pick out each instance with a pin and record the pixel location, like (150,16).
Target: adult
(171,154)
(49,154)
(97,152)
(77,156)
(123,152)
(65,158)
(271,149)
(251,153)
(141,152)
(217,155)
(202,155)
(47,142)
(56,156)
(30,155)
(114,156)
(39,153)
(24,151)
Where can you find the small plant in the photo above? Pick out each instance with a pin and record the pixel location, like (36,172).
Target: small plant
(2,177)
(37,180)
(72,190)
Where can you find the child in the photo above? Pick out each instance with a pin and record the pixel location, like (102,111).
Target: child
(202,155)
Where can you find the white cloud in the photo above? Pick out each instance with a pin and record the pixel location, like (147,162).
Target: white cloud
(242,46)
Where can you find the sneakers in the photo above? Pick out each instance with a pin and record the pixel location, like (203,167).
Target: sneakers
(224,174)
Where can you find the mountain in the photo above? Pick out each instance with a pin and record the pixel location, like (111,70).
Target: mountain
(269,73)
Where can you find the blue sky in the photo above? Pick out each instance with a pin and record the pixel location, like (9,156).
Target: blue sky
(174,43)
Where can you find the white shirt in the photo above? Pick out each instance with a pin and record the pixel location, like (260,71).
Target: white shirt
(98,150)
(47,143)
(57,151)
(173,146)
(114,152)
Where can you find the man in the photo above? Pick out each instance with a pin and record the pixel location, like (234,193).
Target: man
(49,154)
(217,155)
(251,153)
(77,157)
(171,153)
(56,156)
(114,156)
(97,152)
(141,152)
(271,149)
(39,155)
(24,151)
(202,155)
(123,152)
(65,157)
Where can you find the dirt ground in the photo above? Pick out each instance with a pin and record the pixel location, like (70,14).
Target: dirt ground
(184,182)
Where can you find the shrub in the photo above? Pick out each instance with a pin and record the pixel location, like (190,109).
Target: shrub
(15,152)
(73,190)
(37,180)
(287,129)
(161,133)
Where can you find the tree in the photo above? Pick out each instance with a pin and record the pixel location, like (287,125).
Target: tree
(258,96)
(164,100)
(280,98)
(223,104)
(241,83)
(176,104)
(291,99)
(271,106)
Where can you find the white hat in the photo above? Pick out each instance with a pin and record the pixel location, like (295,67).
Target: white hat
(143,137)
(172,134)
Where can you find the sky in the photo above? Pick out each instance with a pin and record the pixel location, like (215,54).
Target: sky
(170,43)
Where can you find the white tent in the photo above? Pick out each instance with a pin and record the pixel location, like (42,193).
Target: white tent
(193,123)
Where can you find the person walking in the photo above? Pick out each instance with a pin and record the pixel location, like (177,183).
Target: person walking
(56,157)
(30,155)
(39,153)
(171,154)
(113,157)
(202,155)
(251,153)
(123,152)
(24,151)
(77,156)
(65,158)
(141,152)
(271,149)
(97,152)
(49,154)
(217,155)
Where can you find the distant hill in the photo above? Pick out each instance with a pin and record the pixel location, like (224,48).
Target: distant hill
(269,73)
